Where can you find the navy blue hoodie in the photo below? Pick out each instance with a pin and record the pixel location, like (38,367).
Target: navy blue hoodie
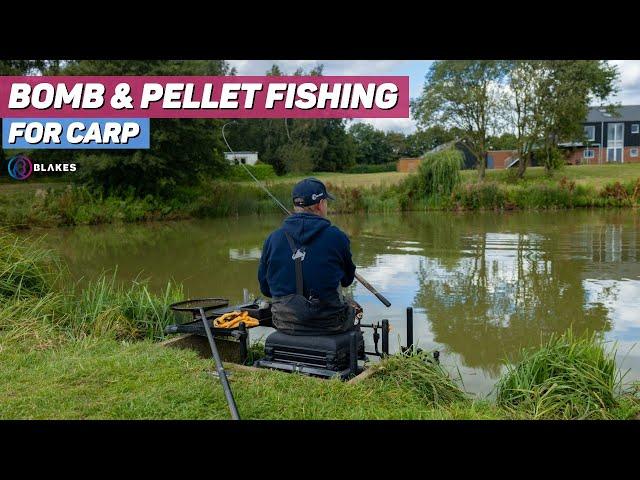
(327,262)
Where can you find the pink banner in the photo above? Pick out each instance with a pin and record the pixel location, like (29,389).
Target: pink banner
(205,97)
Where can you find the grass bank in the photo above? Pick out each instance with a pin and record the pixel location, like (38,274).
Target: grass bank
(56,204)
(74,352)
(105,379)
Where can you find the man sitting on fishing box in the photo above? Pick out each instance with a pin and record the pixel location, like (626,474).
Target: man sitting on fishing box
(304,263)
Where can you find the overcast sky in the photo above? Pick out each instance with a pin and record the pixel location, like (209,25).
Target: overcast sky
(416,70)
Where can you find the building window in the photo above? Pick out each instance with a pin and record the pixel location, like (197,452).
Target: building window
(634,152)
(588,153)
(590,132)
(635,128)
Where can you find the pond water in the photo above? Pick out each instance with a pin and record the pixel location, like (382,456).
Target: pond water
(483,285)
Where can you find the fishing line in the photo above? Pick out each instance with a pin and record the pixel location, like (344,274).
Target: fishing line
(358,277)
(284,209)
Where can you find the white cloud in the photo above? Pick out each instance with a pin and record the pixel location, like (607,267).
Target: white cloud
(629,73)
(362,67)
(401,125)
(629,84)
(331,67)
(622,304)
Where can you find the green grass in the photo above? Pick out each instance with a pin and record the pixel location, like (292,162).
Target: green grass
(588,175)
(418,372)
(25,269)
(346,179)
(104,379)
(68,352)
(97,378)
(56,204)
(565,378)
(105,307)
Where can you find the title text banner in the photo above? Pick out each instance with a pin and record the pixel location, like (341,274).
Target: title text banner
(205,97)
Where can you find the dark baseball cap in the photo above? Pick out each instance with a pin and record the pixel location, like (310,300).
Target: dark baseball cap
(309,192)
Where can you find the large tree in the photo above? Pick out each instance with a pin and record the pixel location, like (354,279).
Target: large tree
(524,110)
(565,92)
(181,150)
(372,145)
(466,95)
(504,141)
(549,100)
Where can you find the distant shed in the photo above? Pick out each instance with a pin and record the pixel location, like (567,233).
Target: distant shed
(235,158)
(408,164)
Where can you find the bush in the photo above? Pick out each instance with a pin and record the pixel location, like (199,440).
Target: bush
(348,200)
(483,195)
(369,168)
(621,195)
(542,196)
(437,177)
(81,206)
(296,156)
(224,198)
(417,372)
(567,378)
(439,172)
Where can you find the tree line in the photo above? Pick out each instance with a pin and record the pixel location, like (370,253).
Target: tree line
(186,149)
(540,103)
(523,105)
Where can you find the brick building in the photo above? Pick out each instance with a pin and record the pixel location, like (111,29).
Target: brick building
(609,138)
(502,158)
(408,164)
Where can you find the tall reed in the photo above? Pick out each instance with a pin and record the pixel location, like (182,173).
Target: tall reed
(568,377)
(418,372)
(105,306)
(26,269)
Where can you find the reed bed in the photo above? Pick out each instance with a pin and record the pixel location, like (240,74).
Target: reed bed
(568,377)
(26,269)
(32,322)
(125,310)
(418,372)
(38,300)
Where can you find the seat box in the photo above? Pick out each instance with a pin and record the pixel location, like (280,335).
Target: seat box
(331,352)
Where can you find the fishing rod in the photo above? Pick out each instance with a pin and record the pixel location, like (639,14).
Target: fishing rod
(286,211)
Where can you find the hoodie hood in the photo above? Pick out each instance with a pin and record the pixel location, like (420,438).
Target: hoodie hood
(303,227)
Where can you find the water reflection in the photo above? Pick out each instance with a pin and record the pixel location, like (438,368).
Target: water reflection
(505,294)
(483,285)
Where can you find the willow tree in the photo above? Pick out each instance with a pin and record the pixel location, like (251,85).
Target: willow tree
(467,95)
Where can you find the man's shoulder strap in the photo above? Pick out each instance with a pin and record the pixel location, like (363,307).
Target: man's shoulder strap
(297,258)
